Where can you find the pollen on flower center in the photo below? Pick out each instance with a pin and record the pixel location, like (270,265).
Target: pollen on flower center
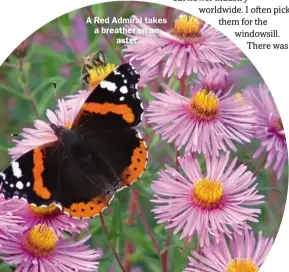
(97,74)
(242,265)
(207,193)
(45,211)
(238,96)
(204,105)
(187,27)
(40,241)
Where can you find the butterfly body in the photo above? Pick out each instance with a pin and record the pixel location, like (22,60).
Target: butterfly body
(100,153)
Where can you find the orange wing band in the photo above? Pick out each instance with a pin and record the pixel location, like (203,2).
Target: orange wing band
(137,166)
(88,209)
(38,169)
(105,108)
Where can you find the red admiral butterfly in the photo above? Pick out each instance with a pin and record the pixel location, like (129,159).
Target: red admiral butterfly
(100,154)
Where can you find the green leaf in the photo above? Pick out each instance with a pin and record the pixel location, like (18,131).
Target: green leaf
(98,10)
(5,268)
(60,81)
(11,91)
(146,94)
(65,25)
(116,223)
(92,47)
(139,238)
(47,96)
(179,261)
(156,139)
(242,63)
(50,53)
(113,236)
(170,247)
(142,190)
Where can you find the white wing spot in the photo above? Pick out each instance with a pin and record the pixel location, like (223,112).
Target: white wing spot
(11,185)
(3,176)
(124,81)
(108,85)
(28,184)
(19,185)
(122,75)
(116,72)
(16,170)
(123,89)
(121,98)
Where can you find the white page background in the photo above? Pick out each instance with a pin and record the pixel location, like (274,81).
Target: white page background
(19,19)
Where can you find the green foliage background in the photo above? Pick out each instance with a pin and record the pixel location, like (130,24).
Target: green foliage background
(55,52)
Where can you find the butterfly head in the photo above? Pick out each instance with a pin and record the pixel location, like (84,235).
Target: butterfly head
(65,135)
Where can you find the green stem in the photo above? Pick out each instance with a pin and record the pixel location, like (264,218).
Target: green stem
(270,189)
(144,221)
(27,90)
(110,244)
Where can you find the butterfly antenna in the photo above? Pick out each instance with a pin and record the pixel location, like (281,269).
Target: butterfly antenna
(55,90)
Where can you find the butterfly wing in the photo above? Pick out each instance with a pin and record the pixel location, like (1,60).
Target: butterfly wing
(83,183)
(111,162)
(106,123)
(107,120)
(51,174)
(32,176)
(114,103)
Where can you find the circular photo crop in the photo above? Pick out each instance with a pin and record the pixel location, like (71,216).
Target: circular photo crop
(134,138)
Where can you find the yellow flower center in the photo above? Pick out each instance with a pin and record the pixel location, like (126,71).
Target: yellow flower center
(238,96)
(97,74)
(45,211)
(204,105)
(40,241)
(207,193)
(242,265)
(68,124)
(187,27)
(279,125)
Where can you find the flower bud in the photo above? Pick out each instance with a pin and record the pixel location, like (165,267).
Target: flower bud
(216,80)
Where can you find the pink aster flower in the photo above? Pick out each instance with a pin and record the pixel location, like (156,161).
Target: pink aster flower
(205,123)
(51,216)
(211,203)
(192,46)
(148,74)
(243,253)
(42,133)
(8,221)
(40,249)
(269,128)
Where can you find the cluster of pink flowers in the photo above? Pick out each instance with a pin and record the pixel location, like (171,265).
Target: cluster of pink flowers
(33,239)
(206,121)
